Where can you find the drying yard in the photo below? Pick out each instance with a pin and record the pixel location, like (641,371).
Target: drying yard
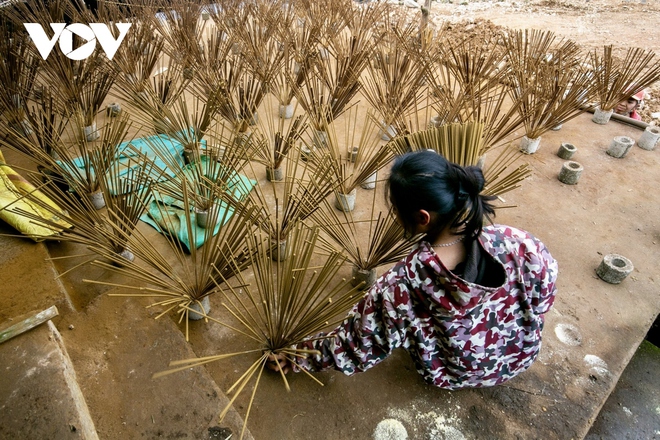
(88,372)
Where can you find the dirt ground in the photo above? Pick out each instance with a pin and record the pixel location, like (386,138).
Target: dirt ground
(614,208)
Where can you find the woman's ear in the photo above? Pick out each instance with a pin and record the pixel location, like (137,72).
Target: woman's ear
(423,217)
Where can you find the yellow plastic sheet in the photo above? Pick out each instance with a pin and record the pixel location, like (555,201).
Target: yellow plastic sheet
(18,195)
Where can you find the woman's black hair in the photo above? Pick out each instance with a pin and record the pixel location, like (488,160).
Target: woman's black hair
(426,180)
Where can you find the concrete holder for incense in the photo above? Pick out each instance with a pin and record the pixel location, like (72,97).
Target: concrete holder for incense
(305,153)
(566,151)
(345,202)
(98,199)
(601,117)
(196,315)
(387,133)
(370,182)
(570,172)
(285,111)
(620,146)
(202,218)
(529,146)
(125,255)
(274,174)
(649,138)
(320,139)
(360,275)
(91,133)
(113,110)
(614,268)
(278,250)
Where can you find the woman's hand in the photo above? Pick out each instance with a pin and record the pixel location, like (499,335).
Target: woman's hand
(278,362)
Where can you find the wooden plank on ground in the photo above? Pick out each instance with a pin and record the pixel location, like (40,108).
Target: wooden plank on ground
(25,323)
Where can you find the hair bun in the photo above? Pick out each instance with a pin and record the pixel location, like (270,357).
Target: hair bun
(474,180)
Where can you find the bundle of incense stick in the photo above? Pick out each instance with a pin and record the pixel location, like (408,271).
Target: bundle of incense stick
(137,58)
(178,22)
(18,72)
(296,198)
(617,79)
(385,242)
(287,302)
(299,48)
(257,36)
(275,138)
(464,144)
(48,126)
(547,80)
(196,272)
(467,82)
(395,83)
(102,233)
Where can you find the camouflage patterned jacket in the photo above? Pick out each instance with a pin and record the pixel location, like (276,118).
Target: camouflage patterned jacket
(459,334)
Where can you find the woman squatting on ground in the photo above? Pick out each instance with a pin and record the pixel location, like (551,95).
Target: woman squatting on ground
(467,303)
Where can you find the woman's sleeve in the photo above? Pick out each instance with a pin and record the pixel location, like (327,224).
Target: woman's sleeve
(541,277)
(367,336)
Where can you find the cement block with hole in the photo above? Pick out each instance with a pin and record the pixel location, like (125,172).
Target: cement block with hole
(570,172)
(614,268)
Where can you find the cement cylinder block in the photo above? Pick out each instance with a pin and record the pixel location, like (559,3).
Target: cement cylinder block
(529,146)
(481,162)
(614,268)
(435,121)
(354,153)
(254,119)
(286,111)
(570,172)
(202,217)
(97,199)
(566,151)
(199,307)
(649,138)
(360,275)
(274,174)
(620,146)
(345,202)
(127,255)
(23,126)
(189,156)
(387,133)
(557,127)
(278,250)
(124,256)
(305,153)
(91,133)
(38,92)
(320,138)
(162,125)
(370,182)
(602,117)
(113,110)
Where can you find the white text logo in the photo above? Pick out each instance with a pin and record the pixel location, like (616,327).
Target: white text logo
(64,33)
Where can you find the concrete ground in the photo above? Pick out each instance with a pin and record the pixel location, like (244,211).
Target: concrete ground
(115,345)
(633,409)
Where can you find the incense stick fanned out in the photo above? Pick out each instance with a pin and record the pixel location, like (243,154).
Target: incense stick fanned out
(287,304)
(395,84)
(547,79)
(464,144)
(618,79)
